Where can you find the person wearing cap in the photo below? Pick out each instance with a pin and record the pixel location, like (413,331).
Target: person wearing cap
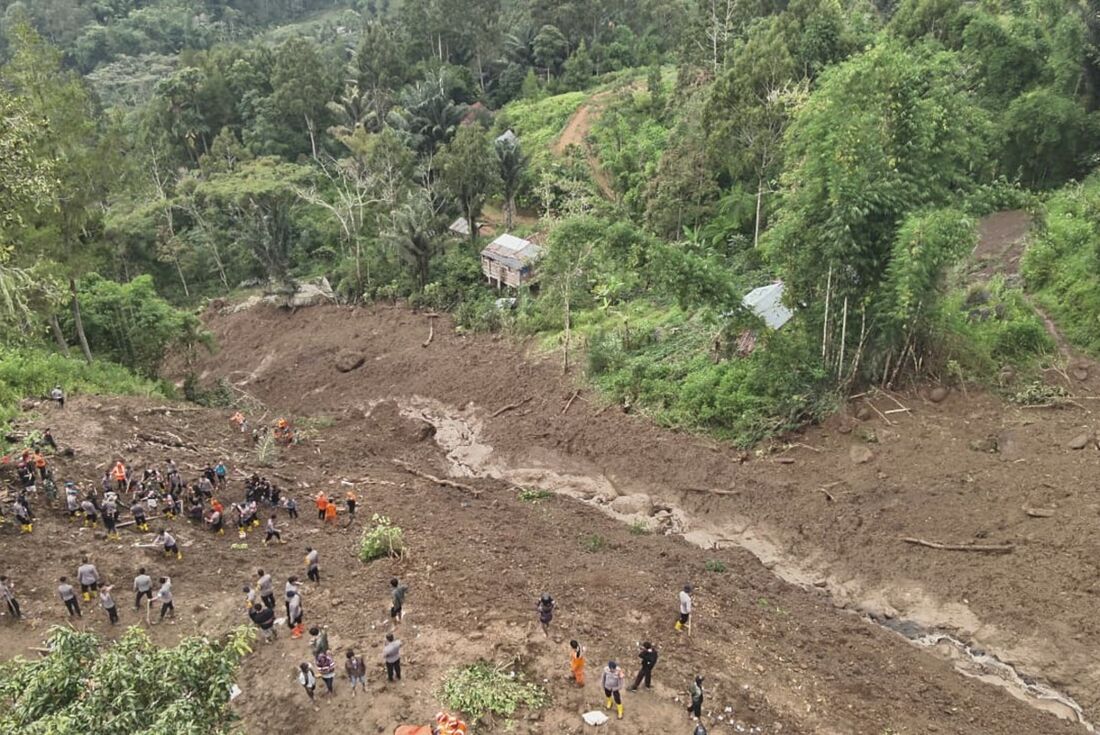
(612,681)
(685,607)
(545,609)
(695,709)
(648,655)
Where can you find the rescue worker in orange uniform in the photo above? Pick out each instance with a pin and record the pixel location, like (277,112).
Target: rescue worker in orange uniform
(322,505)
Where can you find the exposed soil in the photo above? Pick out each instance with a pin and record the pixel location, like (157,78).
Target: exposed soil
(575,133)
(811,542)
(781,658)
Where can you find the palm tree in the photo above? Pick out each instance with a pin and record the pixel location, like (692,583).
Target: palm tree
(416,234)
(511,163)
(428,114)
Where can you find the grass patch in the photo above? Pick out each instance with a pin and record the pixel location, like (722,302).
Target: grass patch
(533,495)
(639,528)
(1062,265)
(594,543)
(27,372)
(481,690)
(716,566)
(381,539)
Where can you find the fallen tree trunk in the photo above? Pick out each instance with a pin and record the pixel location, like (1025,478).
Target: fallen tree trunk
(437,480)
(509,407)
(986,548)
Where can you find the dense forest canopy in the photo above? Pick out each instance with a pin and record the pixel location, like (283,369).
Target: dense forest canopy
(163,152)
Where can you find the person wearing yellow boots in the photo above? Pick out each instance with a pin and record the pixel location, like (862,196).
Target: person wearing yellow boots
(141,523)
(169,543)
(23,516)
(685,609)
(612,680)
(88,577)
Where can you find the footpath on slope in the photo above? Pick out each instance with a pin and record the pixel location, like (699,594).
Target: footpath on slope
(830,526)
(575,134)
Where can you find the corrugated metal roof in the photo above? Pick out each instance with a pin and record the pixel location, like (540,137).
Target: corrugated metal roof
(767,303)
(460,226)
(513,251)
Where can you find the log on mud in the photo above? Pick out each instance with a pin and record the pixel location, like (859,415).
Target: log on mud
(510,407)
(173,441)
(437,480)
(983,548)
(569,403)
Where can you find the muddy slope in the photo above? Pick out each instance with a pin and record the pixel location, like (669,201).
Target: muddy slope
(815,516)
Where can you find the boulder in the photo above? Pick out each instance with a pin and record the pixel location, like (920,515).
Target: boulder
(860,454)
(1081,441)
(312,294)
(347,361)
(938,394)
(632,505)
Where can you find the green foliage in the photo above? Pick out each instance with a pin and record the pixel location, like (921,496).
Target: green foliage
(468,172)
(381,539)
(267,450)
(533,495)
(1062,265)
(639,528)
(716,566)
(594,543)
(27,372)
(132,325)
(482,689)
(86,685)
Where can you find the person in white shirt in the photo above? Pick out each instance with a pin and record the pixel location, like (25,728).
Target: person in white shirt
(685,608)
(164,597)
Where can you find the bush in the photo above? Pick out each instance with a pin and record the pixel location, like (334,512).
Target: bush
(381,539)
(639,528)
(715,565)
(594,543)
(529,495)
(26,372)
(479,689)
(126,686)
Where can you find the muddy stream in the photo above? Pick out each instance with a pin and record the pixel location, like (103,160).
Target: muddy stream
(460,434)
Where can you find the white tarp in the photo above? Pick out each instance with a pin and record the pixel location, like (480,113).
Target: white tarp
(767,303)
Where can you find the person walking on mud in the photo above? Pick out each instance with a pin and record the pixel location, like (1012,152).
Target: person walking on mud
(685,609)
(88,577)
(313,568)
(7,593)
(398,592)
(68,595)
(294,613)
(326,667)
(356,669)
(545,608)
(648,655)
(307,679)
(695,709)
(107,602)
(391,656)
(576,662)
(322,504)
(265,586)
(612,681)
(164,596)
(273,531)
(143,588)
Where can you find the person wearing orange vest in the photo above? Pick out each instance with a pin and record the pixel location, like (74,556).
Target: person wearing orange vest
(40,464)
(119,473)
(322,505)
(330,512)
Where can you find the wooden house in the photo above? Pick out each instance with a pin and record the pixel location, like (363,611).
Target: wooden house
(510,261)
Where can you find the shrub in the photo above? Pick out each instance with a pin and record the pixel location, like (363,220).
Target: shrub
(594,543)
(715,565)
(639,528)
(480,689)
(381,539)
(531,495)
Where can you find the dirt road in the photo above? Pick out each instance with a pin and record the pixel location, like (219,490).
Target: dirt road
(575,134)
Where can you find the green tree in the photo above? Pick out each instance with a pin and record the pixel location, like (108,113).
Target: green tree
(567,270)
(577,72)
(468,172)
(550,48)
(886,132)
(416,234)
(511,165)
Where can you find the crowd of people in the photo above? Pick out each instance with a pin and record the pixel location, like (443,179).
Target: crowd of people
(126,497)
